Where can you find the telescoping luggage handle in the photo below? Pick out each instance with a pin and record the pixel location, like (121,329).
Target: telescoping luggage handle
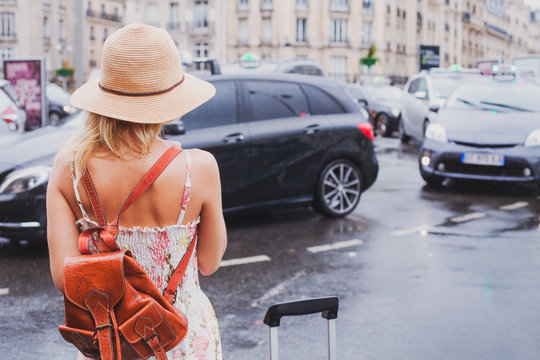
(328,306)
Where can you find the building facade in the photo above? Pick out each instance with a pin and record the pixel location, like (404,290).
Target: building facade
(198,27)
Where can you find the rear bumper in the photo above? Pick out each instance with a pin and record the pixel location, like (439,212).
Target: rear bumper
(23,216)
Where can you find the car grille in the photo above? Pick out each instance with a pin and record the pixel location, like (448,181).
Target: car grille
(510,169)
(492,146)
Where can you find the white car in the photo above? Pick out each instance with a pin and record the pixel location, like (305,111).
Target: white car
(424,94)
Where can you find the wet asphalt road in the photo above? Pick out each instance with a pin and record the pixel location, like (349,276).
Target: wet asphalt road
(449,272)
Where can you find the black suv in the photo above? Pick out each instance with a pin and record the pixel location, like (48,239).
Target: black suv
(278,140)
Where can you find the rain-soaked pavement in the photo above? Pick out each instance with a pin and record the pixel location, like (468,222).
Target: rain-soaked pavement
(448,272)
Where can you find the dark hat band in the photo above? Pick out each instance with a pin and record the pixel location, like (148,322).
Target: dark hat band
(117,92)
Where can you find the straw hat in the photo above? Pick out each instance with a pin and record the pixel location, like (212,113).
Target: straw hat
(142,79)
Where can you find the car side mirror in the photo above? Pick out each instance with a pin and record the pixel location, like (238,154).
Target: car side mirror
(174,128)
(363,102)
(434,107)
(421,95)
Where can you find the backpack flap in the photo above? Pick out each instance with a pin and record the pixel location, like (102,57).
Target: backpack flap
(102,272)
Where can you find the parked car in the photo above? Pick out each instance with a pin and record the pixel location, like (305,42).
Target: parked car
(251,64)
(12,114)
(59,103)
(488,130)
(382,103)
(425,90)
(278,140)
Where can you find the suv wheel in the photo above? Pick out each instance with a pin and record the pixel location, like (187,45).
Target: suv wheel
(338,189)
(382,125)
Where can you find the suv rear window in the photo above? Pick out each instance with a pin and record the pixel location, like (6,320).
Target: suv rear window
(219,111)
(321,103)
(275,99)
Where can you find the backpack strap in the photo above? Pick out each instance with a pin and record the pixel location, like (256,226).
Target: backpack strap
(170,291)
(108,232)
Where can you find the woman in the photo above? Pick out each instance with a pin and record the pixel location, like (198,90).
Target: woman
(141,87)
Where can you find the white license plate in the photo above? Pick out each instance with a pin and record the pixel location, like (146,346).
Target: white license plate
(482,159)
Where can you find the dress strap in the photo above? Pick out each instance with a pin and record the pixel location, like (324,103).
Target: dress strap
(76,190)
(187,188)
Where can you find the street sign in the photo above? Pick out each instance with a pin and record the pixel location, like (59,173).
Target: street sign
(429,57)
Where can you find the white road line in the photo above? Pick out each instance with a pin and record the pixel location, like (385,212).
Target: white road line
(467,217)
(246,260)
(334,246)
(276,290)
(4,291)
(411,230)
(514,206)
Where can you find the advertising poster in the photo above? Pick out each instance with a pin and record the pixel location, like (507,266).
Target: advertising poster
(429,57)
(27,76)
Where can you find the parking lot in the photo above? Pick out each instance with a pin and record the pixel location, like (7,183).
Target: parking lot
(421,271)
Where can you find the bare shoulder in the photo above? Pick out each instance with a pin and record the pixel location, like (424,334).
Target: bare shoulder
(203,160)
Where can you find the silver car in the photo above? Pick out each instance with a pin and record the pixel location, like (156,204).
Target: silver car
(424,94)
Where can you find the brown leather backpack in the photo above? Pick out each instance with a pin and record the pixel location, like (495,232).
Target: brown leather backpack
(113,310)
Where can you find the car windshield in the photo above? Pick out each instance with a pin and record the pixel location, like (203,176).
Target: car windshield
(58,94)
(443,86)
(508,96)
(381,93)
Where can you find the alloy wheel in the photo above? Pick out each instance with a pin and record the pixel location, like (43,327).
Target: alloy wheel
(340,188)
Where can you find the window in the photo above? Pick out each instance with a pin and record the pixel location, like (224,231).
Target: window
(200,18)
(6,53)
(92,34)
(266,34)
(320,102)
(243,33)
(201,49)
(46,32)
(339,31)
(301,30)
(338,68)
(61,30)
(275,100)
(266,5)
(367,6)
(243,4)
(221,110)
(105,34)
(152,14)
(103,14)
(7,20)
(174,16)
(301,4)
(367,27)
(339,5)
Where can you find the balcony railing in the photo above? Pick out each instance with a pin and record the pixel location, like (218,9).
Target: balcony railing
(201,27)
(10,36)
(339,6)
(102,15)
(267,6)
(8,2)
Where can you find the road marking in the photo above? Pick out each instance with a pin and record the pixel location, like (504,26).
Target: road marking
(246,260)
(4,291)
(273,292)
(467,217)
(421,228)
(514,206)
(334,246)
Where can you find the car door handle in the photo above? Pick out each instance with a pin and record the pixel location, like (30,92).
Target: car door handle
(312,129)
(233,138)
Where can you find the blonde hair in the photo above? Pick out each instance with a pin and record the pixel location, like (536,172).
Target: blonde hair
(116,137)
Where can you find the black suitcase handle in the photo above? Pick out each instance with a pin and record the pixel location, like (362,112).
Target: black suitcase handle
(328,306)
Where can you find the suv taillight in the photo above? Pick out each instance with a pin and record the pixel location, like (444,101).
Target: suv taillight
(367,129)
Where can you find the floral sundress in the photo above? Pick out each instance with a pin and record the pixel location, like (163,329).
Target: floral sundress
(159,250)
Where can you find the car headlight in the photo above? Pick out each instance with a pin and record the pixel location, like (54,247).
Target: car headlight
(25,179)
(436,132)
(395,112)
(68,108)
(533,139)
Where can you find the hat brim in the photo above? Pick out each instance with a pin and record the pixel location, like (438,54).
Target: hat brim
(152,109)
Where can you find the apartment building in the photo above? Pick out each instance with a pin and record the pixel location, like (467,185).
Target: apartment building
(338,33)
(102,17)
(198,27)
